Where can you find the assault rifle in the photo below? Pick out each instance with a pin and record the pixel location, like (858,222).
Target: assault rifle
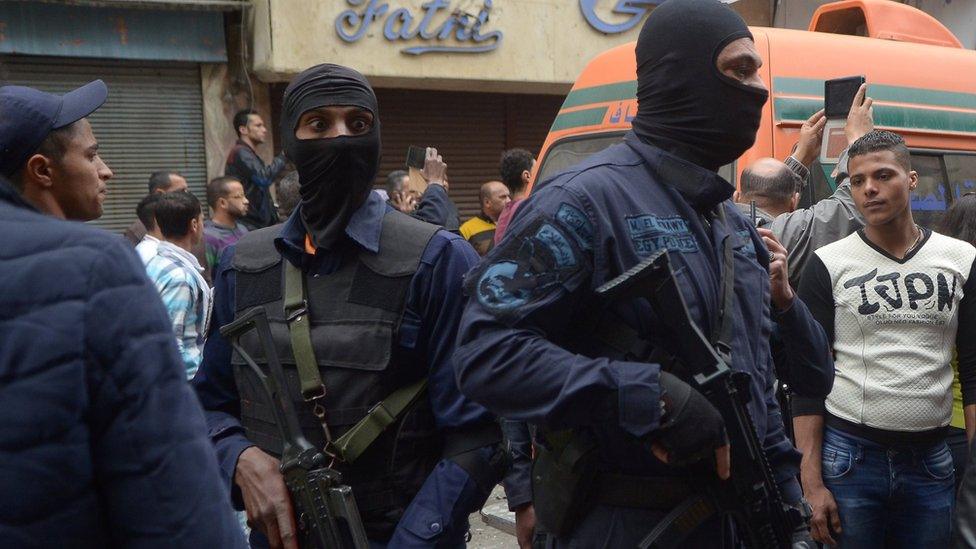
(750,496)
(326,511)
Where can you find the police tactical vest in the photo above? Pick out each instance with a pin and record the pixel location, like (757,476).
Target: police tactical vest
(355,317)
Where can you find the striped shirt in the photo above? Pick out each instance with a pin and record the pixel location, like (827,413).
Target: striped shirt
(176,274)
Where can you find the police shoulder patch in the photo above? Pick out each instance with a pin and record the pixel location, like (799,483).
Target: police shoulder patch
(577,222)
(539,260)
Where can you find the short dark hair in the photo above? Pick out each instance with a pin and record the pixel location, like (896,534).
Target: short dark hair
(960,220)
(174,211)
(882,140)
(217,188)
(778,187)
(146,210)
(287,193)
(393,180)
(54,146)
(241,119)
(160,181)
(514,162)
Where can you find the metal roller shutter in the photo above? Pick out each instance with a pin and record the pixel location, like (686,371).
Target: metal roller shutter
(469,129)
(153,120)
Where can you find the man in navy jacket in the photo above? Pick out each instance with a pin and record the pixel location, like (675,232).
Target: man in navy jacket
(104,443)
(527,348)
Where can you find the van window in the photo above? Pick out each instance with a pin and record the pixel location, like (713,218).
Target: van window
(572,151)
(569,152)
(961,172)
(930,198)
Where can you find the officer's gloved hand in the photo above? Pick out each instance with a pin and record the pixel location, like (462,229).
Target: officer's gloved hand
(691,428)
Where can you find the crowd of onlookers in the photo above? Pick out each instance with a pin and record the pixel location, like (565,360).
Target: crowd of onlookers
(181,247)
(886,442)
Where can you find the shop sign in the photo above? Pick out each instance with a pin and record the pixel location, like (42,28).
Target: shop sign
(465,31)
(633,10)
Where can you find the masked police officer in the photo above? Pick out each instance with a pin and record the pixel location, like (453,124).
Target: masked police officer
(528,348)
(383,295)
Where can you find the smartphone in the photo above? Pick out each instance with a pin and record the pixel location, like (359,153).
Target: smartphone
(416,184)
(839,95)
(416,157)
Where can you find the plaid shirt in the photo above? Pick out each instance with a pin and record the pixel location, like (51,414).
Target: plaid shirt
(186,297)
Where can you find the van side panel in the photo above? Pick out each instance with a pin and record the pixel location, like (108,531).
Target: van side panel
(933,105)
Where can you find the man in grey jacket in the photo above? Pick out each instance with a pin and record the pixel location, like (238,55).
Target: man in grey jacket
(804,231)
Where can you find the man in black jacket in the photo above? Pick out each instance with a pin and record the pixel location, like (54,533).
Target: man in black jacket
(245,164)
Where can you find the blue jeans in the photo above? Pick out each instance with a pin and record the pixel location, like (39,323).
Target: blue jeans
(889,496)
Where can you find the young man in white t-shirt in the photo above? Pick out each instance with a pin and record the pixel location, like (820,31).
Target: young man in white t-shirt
(894,300)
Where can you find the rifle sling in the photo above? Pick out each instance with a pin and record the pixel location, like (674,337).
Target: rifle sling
(299,329)
(360,436)
(356,440)
(722,333)
(684,519)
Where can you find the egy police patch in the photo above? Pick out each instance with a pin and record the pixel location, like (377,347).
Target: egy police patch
(650,233)
(543,257)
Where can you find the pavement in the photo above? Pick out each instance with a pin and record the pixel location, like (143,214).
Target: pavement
(495,512)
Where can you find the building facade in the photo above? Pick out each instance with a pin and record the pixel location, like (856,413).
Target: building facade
(470,77)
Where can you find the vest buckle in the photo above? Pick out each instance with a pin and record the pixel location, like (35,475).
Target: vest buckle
(297,312)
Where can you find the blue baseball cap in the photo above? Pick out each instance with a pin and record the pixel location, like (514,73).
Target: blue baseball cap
(27,116)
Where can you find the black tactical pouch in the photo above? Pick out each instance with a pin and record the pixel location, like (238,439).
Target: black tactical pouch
(562,476)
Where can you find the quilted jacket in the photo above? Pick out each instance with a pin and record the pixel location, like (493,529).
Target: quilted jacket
(102,441)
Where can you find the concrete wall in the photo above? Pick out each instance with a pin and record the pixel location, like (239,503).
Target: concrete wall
(959,16)
(544,44)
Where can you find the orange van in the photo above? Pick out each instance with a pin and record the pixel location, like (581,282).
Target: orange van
(921,78)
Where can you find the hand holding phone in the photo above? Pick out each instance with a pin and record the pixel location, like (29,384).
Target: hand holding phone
(848,112)
(860,118)
(434,167)
(416,182)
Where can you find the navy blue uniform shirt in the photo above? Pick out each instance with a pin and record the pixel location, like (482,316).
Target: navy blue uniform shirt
(519,351)
(427,335)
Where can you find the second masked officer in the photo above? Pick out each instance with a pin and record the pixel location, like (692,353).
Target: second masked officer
(527,346)
(383,294)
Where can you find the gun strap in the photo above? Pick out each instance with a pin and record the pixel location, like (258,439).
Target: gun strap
(722,330)
(356,440)
(299,328)
(676,525)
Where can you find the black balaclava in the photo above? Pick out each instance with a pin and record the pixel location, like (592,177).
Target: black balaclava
(685,105)
(335,175)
